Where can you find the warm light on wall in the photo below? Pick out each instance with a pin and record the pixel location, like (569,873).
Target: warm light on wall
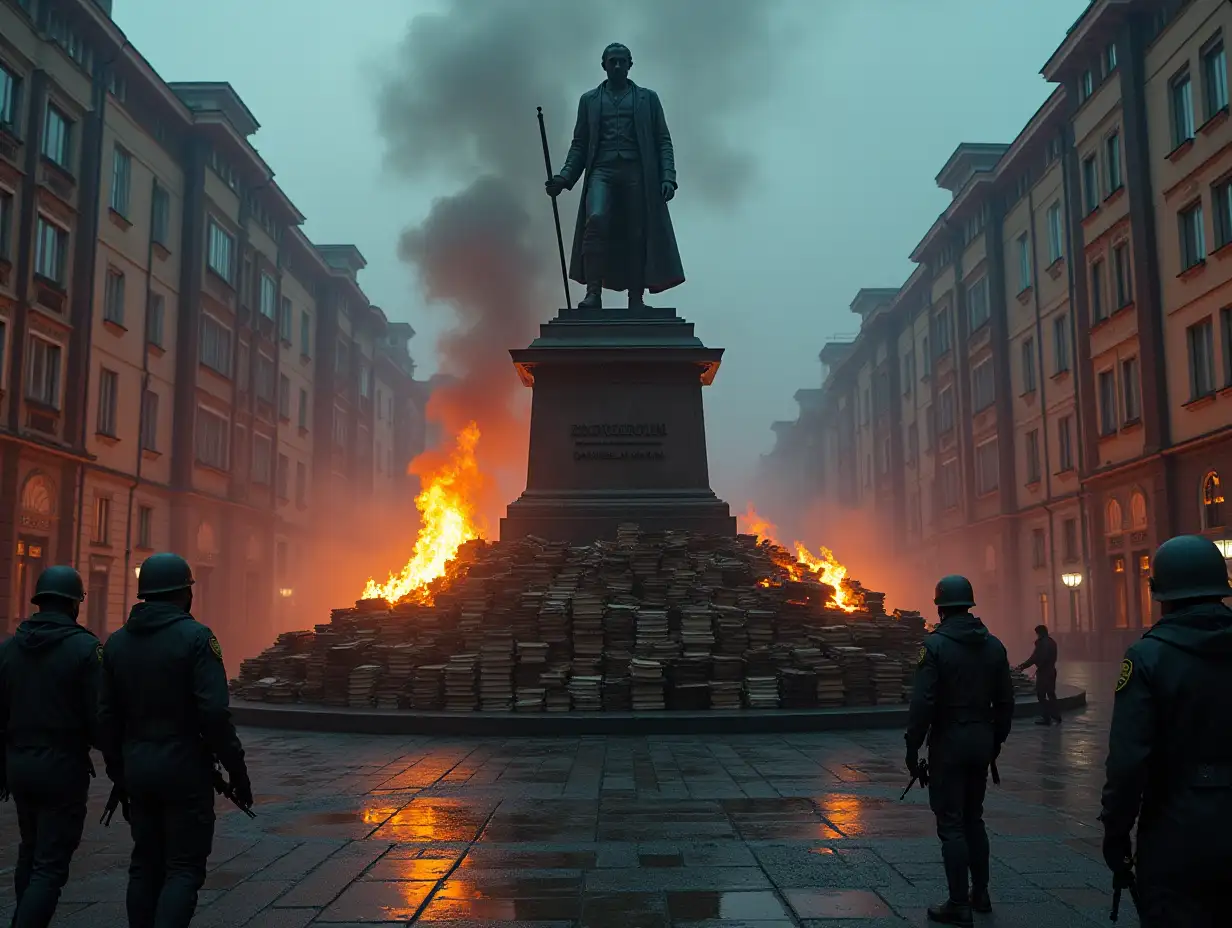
(1073,581)
(1225,546)
(137,571)
(286,592)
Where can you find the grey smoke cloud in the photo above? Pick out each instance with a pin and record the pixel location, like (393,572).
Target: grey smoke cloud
(457,104)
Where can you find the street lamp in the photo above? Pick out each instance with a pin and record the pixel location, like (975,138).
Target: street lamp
(1073,581)
(1225,547)
(137,571)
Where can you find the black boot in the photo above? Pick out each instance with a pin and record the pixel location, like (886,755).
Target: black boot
(951,913)
(635,299)
(591,268)
(980,901)
(593,298)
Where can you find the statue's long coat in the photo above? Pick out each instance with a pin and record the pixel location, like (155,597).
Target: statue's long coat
(662,270)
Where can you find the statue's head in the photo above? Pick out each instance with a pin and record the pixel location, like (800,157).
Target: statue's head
(617,60)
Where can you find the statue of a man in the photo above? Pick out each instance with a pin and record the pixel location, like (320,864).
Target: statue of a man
(623,239)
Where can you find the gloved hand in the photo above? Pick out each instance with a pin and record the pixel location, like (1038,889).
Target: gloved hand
(555,185)
(913,761)
(243,790)
(1118,853)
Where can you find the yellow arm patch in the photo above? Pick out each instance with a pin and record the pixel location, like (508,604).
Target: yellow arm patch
(923,654)
(1127,671)
(216,648)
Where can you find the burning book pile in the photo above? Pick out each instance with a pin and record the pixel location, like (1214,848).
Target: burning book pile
(652,622)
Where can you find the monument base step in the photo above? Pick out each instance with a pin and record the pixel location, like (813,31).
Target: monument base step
(583,518)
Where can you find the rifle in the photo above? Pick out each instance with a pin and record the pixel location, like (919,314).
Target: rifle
(223,788)
(114,801)
(1123,879)
(921,774)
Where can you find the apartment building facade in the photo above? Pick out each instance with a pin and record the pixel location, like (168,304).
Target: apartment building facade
(1065,344)
(178,358)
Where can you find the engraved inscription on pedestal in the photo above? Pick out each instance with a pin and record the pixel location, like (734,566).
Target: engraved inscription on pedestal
(618,441)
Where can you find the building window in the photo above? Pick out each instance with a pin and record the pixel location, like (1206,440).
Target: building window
(908,379)
(1193,237)
(945,402)
(145,527)
(928,359)
(50,248)
(162,216)
(1069,537)
(6,224)
(108,397)
(43,372)
(269,296)
(342,357)
(1039,549)
(1043,605)
(57,137)
(1221,198)
(1201,359)
(365,380)
(1145,601)
(1110,58)
(1137,511)
(121,179)
(283,486)
(1215,78)
(212,436)
(221,253)
(1124,275)
(987,469)
(149,420)
(303,408)
(942,328)
(1065,447)
(102,520)
(1118,589)
(1028,365)
(1107,402)
(1212,501)
(983,389)
(1114,519)
(215,345)
(1099,309)
(1090,184)
(262,450)
(340,428)
(1086,85)
(284,320)
(1056,248)
(1033,456)
(113,297)
(10,86)
(1131,390)
(1024,262)
(154,320)
(305,333)
(1182,110)
(1112,159)
(284,396)
(266,379)
(949,484)
(977,303)
(1060,344)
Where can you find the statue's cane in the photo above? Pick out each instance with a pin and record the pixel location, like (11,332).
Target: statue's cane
(560,241)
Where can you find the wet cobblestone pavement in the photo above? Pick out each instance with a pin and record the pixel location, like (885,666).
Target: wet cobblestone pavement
(744,831)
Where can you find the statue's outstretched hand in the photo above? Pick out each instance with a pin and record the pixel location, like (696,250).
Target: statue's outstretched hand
(555,185)
(669,190)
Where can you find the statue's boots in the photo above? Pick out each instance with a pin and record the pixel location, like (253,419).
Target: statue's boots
(636,303)
(594,283)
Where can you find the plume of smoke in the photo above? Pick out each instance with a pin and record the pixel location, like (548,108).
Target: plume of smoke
(458,104)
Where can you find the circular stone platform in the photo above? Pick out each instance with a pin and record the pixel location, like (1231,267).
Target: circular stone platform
(551,724)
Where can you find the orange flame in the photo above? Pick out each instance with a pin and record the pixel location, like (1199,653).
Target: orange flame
(447,520)
(824,566)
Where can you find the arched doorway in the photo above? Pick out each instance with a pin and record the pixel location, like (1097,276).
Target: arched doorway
(37,510)
(1212,501)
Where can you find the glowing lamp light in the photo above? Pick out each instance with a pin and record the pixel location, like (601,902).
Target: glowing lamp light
(286,592)
(137,571)
(1225,546)
(1073,581)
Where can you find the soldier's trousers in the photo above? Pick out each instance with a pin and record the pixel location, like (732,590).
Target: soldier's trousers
(1046,693)
(50,830)
(956,795)
(171,844)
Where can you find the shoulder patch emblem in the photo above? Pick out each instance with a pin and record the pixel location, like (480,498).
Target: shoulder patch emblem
(216,647)
(98,652)
(1127,671)
(923,654)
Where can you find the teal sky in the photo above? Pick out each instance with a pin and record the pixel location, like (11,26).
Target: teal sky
(871,98)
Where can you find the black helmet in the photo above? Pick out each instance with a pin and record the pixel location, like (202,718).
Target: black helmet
(1189,567)
(954,591)
(59,581)
(163,573)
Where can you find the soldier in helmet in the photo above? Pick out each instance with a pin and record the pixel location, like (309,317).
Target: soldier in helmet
(48,714)
(1169,761)
(164,719)
(963,702)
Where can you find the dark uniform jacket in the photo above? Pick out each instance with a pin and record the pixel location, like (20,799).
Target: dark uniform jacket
(48,704)
(1170,746)
(963,699)
(1044,657)
(163,706)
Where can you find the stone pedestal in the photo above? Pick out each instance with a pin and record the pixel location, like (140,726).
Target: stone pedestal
(617,432)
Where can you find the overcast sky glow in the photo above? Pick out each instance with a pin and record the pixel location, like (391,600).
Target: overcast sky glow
(872,98)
